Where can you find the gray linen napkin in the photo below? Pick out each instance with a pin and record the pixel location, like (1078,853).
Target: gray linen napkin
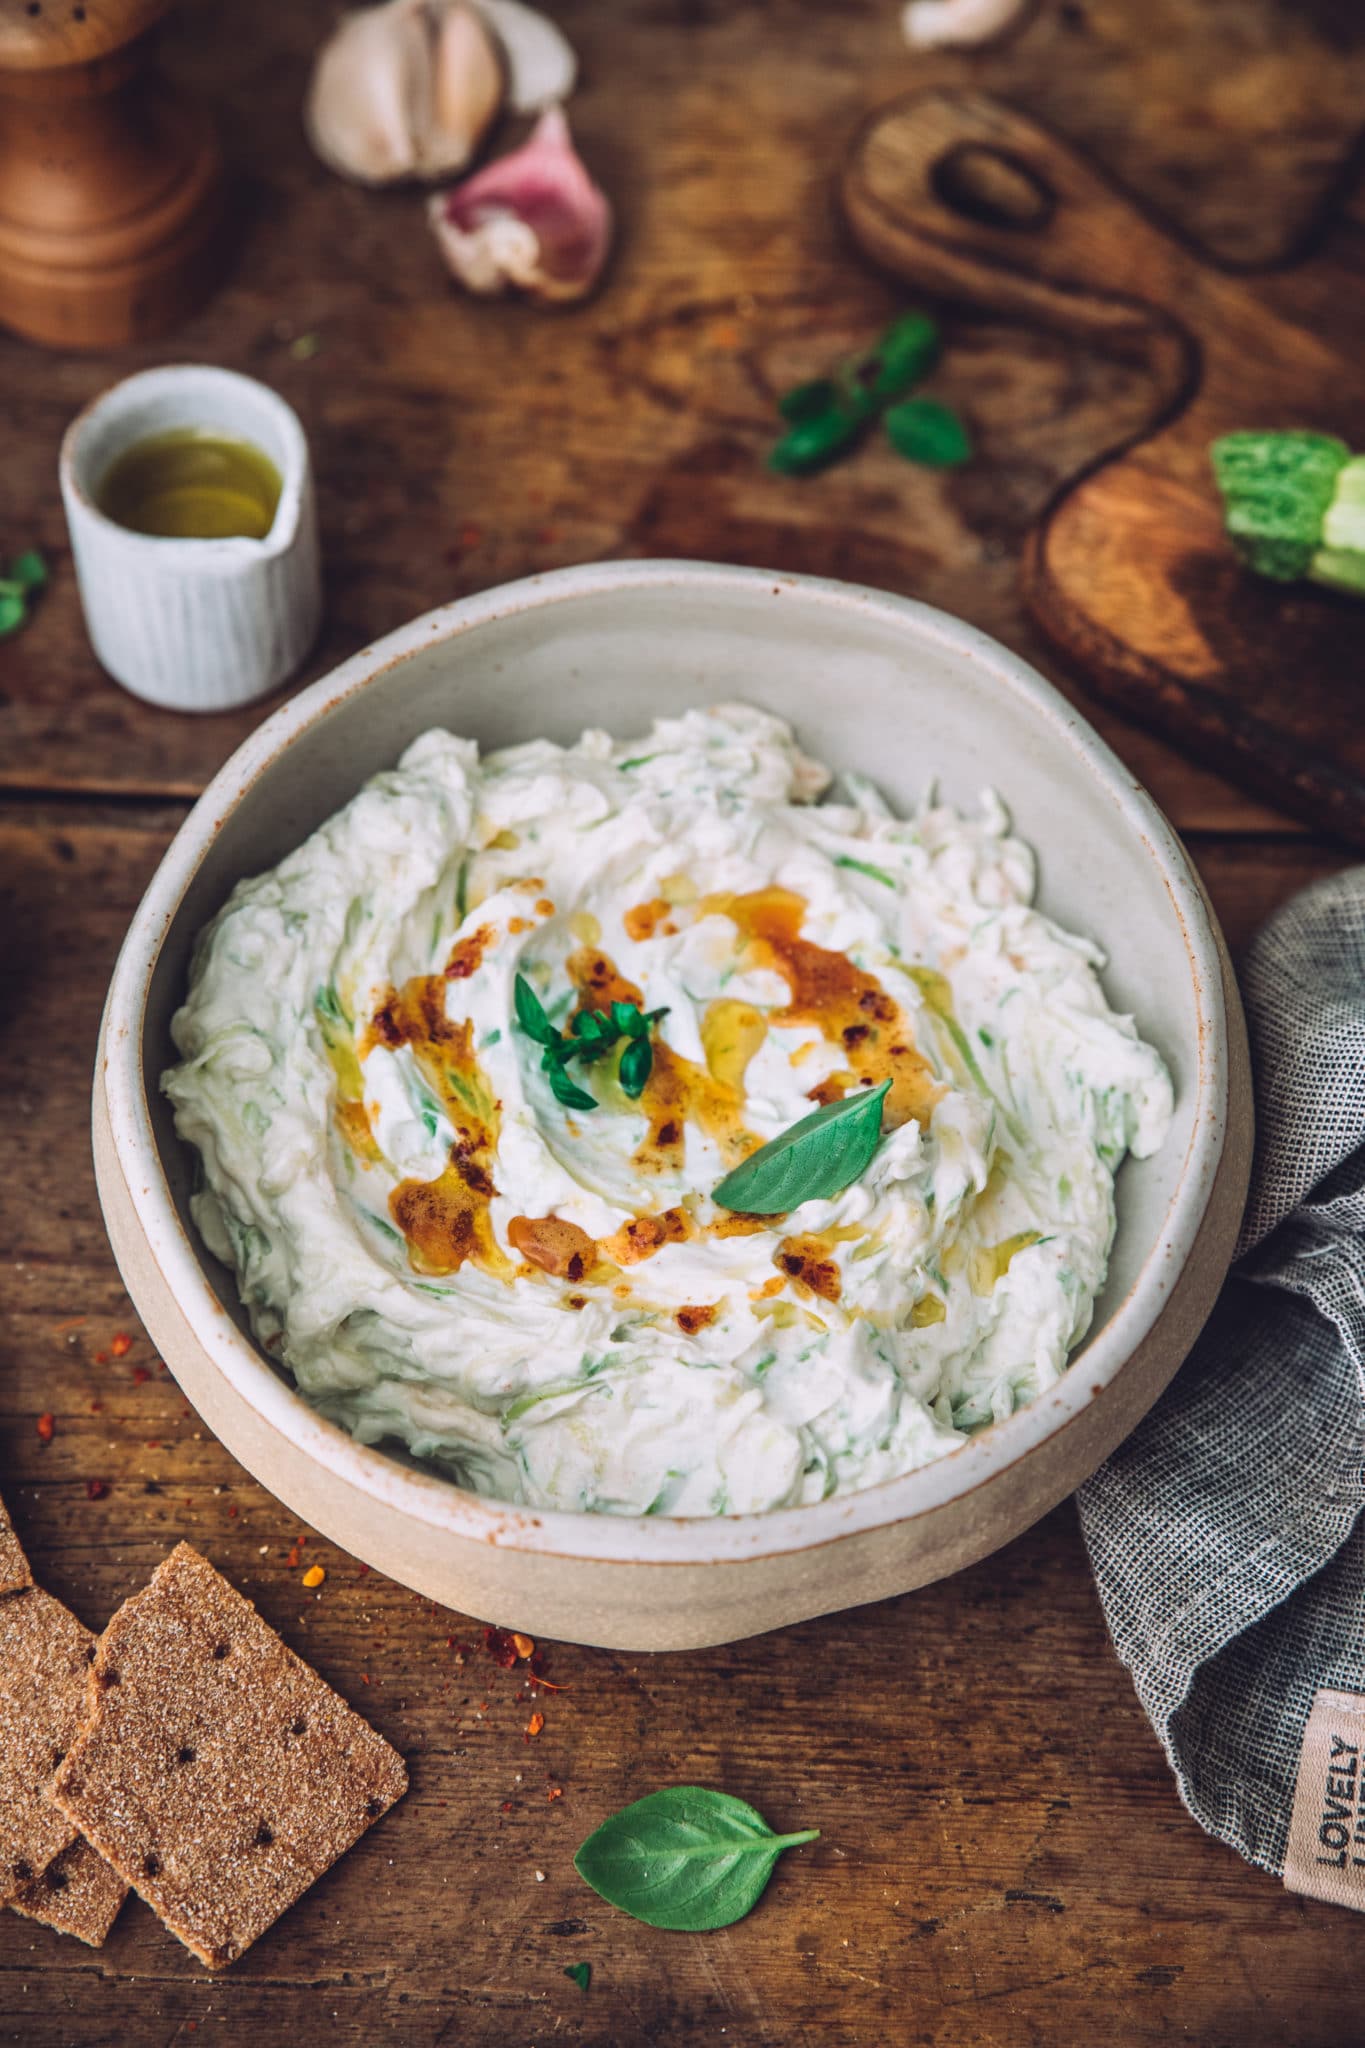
(1225,1534)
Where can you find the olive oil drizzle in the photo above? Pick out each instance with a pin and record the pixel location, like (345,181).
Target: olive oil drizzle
(848,1006)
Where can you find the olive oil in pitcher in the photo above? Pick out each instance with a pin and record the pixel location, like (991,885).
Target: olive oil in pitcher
(192,484)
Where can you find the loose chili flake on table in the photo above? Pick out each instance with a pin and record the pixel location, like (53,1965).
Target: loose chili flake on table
(46,1428)
(96,1488)
(121,1344)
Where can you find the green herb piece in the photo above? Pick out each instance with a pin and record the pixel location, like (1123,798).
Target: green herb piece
(865,867)
(924,431)
(592,1034)
(28,570)
(815,441)
(687,1858)
(826,416)
(902,358)
(567,1092)
(815,1160)
(304,347)
(26,575)
(637,761)
(637,1064)
(581,1974)
(1276,490)
(806,401)
(531,1013)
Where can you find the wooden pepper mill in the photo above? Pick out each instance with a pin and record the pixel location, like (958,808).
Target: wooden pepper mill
(111,200)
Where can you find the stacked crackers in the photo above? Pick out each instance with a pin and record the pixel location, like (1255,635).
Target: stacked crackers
(186,1752)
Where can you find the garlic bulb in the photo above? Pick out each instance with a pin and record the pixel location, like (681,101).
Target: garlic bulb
(533,220)
(404,90)
(541,65)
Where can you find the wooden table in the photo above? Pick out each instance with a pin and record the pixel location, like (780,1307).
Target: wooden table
(1004,1859)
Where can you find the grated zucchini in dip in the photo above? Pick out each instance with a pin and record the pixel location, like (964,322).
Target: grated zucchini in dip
(545,1300)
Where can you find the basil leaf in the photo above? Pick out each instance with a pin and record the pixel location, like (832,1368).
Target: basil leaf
(816,440)
(581,1973)
(805,401)
(905,354)
(567,1091)
(29,570)
(13,612)
(813,1161)
(924,431)
(627,1019)
(687,1858)
(637,1064)
(531,1013)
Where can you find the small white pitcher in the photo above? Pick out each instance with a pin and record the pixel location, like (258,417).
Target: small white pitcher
(195,625)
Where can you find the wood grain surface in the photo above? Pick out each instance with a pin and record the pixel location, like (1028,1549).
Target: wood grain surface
(1003,1860)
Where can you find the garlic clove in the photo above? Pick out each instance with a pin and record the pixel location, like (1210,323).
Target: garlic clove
(404,90)
(533,220)
(541,66)
(956,24)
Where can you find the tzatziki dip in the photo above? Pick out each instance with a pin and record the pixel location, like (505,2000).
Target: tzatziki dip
(481,1076)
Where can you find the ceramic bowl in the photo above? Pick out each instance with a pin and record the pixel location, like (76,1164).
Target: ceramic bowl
(870,681)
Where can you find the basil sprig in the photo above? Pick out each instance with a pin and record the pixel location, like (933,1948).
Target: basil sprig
(813,1161)
(827,415)
(687,1858)
(593,1034)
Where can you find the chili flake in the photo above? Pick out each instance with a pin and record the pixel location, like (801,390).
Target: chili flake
(122,1344)
(96,1488)
(524,1645)
(314,1576)
(140,1375)
(500,1647)
(46,1427)
(535,1724)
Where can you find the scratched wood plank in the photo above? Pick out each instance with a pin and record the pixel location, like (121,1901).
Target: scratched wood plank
(1003,1857)
(457,445)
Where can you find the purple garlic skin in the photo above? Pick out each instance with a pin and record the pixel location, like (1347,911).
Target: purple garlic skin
(533,221)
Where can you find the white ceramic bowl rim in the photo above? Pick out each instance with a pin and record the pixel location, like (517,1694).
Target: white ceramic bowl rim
(626,1539)
(238,402)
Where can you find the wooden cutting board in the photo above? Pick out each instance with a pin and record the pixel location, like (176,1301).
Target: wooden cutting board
(1128,571)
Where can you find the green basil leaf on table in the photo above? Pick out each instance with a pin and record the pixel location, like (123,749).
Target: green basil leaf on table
(805,401)
(926,432)
(28,570)
(816,440)
(903,357)
(686,1858)
(813,1161)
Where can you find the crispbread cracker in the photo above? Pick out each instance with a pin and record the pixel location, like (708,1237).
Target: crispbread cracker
(217,1772)
(14,1571)
(78,1893)
(44,1683)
